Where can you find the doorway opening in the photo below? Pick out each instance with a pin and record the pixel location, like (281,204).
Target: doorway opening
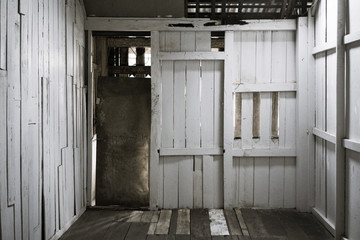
(122,81)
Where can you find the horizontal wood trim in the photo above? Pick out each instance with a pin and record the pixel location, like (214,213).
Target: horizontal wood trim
(264,152)
(130,70)
(191,55)
(266,87)
(190,151)
(351,145)
(329,226)
(128,42)
(352,37)
(162,24)
(324,135)
(324,47)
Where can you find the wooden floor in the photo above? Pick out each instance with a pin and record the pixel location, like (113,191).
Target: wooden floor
(201,224)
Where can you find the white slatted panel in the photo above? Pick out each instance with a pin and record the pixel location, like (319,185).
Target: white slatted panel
(191,118)
(266,57)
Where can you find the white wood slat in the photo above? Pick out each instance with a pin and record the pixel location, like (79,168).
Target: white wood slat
(246,182)
(263,58)
(265,87)
(324,135)
(156,107)
(328,46)
(218,181)
(183,222)
(162,24)
(241,222)
(3,31)
(191,55)
(278,57)
(351,145)
(171,182)
(198,182)
(193,104)
(289,182)
(276,183)
(228,129)
(261,182)
(247,120)
(218,226)
(218,103)
(265,152)
(203,41)
(162,227)
(330,182)
(352,38)
(190,151)
(208,193)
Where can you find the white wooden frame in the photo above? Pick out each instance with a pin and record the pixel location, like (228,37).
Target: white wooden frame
(156,25)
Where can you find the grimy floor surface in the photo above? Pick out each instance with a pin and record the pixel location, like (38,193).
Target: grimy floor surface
(201,224)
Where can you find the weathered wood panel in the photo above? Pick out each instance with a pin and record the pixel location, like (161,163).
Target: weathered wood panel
(37,110)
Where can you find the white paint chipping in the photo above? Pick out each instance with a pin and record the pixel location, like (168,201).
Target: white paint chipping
(218,224)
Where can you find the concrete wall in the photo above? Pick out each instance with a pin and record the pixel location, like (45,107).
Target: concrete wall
(42,117)
(134,8)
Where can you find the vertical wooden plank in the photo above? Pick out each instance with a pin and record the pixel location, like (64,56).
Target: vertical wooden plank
(13,115)
(276,183)
(208,185)
(340,122)
(218,103)
(185,163)
(3,31)
(261,182)
(247,120)
(198,183)
(218,182)
(183,222)
(156,107)
(228,137)
(186,193)
(203,42)
(246,182)
(330,182)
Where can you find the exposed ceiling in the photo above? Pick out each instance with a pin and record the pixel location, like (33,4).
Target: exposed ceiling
(229,11)
(135,8)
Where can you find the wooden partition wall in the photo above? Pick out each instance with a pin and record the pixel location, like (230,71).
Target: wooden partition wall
(42,117)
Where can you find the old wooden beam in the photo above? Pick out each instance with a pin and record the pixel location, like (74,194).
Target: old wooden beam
(130,70)
(128,42)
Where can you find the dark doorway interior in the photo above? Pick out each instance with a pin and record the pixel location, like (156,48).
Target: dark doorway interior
(123,128)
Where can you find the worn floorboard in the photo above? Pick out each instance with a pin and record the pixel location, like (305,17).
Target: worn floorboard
(260,224)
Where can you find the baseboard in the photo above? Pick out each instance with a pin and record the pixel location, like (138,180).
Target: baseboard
(328,225)
(68,225)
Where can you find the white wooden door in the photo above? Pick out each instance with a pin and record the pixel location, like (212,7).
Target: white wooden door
(223,123)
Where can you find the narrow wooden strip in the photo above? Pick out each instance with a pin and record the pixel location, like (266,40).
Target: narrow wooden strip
(190,151)
(218,226)
(162,24)
(352,37)
(241,222)
(128,42)
(264,87)
(323,48)
(191,55)
(155,217)
(163,224)
(232,222)
(147,216)
(352,145)
(265,152)
(199,224)
(183,222)
(324,135)
(329,225)
(135,216)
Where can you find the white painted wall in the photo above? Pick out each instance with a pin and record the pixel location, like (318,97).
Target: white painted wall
(43,117)
(329,73)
